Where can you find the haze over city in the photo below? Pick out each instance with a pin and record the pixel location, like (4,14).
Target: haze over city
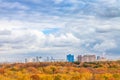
(59,27)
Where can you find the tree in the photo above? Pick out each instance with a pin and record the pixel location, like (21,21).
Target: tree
(34,77)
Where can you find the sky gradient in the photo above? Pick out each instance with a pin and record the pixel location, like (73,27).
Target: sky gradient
(59,27)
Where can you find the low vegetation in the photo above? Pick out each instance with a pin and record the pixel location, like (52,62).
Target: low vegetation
(109,70)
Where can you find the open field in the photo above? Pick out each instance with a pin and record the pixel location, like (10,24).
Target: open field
(61,71)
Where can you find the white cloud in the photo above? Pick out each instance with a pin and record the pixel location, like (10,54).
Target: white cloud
(64,40)
(58,1)
(105,45)
(81,27)
(13,5)
(72,35)
(21,40)
(18,24)
(109,2)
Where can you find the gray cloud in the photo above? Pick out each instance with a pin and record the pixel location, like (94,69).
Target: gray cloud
(5,32)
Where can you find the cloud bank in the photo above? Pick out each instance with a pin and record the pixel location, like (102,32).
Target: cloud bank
(60,26)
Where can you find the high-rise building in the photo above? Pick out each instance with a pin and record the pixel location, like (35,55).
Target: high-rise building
(79,58)
(70,58)
(37,59)
(86,58)
(26,60)
(98,57)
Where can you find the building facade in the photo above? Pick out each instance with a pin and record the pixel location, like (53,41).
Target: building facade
(79,58)
(86,58)
(70,58)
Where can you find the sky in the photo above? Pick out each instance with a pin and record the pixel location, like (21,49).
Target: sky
(59,27)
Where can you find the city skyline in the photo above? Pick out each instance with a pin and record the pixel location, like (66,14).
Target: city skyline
(69,57)
(59,27)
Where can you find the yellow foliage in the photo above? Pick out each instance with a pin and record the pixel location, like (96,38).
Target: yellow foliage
(59,71)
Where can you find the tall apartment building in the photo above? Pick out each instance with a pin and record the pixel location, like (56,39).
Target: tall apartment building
(79,58)
(70,58)
(86,58)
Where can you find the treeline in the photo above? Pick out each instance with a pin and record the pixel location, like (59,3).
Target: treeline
(98,64)
(109,70)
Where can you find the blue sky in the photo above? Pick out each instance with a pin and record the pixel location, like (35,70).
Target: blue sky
(58,27)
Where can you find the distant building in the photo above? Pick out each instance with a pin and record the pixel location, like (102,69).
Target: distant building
(50,59)
(70,58)
(89,58)
(99,58)
(26,60)
(79,58)
(38,59)
(86,58)
(32,59)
